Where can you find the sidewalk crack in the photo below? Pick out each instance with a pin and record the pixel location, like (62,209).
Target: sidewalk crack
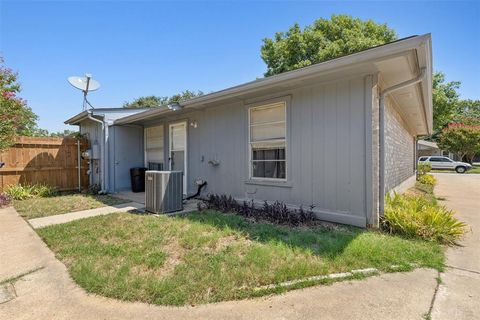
(428,315)
(13,279)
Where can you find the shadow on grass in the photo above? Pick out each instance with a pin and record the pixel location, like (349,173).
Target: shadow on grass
(326,241)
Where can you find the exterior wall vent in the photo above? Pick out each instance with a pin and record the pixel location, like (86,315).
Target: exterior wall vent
(163,191)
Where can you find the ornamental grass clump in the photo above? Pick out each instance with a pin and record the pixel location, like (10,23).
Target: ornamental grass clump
(423,168)
(23,192)
(427,179)
(419,217)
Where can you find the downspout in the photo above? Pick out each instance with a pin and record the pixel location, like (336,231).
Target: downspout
(104,162)
(381,164)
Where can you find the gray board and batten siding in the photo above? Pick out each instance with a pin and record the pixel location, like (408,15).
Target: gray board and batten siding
(326,149)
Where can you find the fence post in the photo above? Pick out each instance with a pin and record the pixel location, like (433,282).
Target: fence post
(79,164)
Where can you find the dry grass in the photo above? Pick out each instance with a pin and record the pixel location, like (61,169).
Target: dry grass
(42,207)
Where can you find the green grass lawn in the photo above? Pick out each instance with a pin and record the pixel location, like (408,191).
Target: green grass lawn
(42,207)
(475,170)
(210,256)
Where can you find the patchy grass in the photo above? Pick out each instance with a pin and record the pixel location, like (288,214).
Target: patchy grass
(42,207)
(210,256)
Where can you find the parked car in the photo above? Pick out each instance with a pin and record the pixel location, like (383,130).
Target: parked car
(444,163)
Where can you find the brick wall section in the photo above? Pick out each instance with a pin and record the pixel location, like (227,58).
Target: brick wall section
(399,149)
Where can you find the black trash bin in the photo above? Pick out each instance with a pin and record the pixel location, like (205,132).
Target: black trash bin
(137,176)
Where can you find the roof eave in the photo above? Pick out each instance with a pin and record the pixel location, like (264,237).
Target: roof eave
(352,59)
(75,120)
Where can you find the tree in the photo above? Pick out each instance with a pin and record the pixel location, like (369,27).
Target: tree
(462,139)
(445,101)
(155,101)
(324,40)
(65,133)
(469,109)
(16,118)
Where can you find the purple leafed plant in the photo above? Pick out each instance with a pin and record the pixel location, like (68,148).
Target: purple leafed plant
(4,200)
(276,212)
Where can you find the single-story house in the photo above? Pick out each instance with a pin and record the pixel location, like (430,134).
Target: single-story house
(428,148)
(337,135)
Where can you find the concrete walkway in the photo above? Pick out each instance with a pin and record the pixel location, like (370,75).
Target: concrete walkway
(67,217)
(49,293)
(458,295)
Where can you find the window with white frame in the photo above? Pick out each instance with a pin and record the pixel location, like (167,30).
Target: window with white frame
(154,147)
(268,144)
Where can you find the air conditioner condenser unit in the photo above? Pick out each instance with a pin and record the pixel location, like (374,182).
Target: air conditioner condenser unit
(163,191)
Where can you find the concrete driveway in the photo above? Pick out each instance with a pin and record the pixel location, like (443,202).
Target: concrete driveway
(458,296)
(44,289)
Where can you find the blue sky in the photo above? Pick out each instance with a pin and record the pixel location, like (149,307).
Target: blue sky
(143,48)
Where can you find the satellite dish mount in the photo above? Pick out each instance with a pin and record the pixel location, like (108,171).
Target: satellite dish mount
(85,84)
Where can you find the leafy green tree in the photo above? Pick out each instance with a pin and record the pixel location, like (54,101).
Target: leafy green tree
(155,101)
(16,118)
(59,134)
(461,139)
(325,39)
(65,133)
(341,35)
(469,109)
(445,101)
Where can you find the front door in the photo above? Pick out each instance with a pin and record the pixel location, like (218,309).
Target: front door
(177,134)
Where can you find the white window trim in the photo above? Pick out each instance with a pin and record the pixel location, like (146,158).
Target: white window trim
(185,150)
(250,142)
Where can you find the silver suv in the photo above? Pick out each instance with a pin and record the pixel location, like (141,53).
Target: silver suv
(444,163)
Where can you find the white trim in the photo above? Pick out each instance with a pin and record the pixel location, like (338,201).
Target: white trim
(275,104)
(185,155)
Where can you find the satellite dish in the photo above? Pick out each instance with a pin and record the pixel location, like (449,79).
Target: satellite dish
(86,84)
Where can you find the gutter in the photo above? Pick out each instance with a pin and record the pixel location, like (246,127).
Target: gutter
(365,56)
(383,93)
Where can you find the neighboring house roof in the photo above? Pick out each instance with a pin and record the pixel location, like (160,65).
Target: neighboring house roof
(428,144)
(397,61)
(101,112)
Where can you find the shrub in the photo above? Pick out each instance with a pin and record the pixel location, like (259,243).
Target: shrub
(423,169)
(94,189)
(4,200)
(427,179)
(276,212)
(419,217)
(22,192)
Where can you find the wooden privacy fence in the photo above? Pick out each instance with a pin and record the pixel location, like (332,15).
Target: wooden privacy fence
(51,161)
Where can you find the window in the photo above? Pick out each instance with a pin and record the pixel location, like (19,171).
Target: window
(267,143)
(154,145)
(435,159)
(422,158)
(446,160)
